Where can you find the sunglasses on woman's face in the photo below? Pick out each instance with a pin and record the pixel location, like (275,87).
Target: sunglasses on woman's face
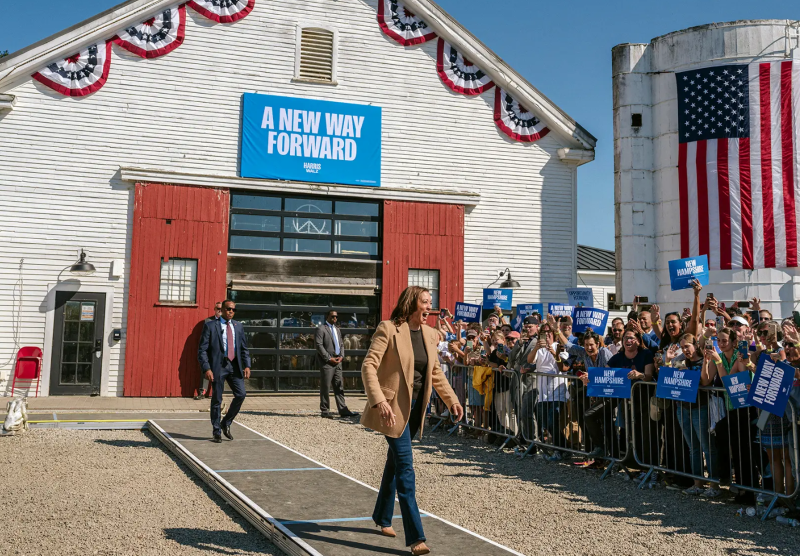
(763,332)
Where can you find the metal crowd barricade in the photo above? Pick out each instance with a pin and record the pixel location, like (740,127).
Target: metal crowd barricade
(557,415)
(707,442)
(490,411)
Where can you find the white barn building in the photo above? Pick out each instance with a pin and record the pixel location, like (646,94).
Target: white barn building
(132,151)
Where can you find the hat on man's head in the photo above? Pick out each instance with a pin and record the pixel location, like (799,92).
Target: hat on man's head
(532,319)
(513,334)
(471,333)
(740,320)
(493,314)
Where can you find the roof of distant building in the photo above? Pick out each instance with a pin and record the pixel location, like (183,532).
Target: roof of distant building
(594,258)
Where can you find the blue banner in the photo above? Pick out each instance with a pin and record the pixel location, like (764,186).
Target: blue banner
(588,318)
(560,310)
(771,385)
(580,297)
(501,297)
(291,138)
(737,386)
(683,271)
(523,311)
(678,384)
(608,383)
(468,312)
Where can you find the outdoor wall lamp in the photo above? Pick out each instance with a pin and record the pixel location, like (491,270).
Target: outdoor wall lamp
(82,268)
(508,283)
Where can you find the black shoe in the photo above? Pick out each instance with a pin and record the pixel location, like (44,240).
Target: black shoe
(226,430)
(217,439)
(348,413)
(327,415)
(199,396)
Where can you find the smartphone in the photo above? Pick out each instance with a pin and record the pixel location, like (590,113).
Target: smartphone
(443,314)
(709,296)
(709,343)
(469,344)
(641,298)
(796,318)
(743,348)
(542,335)
(743,304)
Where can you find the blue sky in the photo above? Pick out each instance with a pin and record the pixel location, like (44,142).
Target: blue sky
(563,48)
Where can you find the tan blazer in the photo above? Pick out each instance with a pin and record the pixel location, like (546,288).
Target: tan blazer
(388,375)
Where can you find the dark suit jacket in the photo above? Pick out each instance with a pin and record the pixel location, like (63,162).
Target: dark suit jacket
(325,346)
(212,351)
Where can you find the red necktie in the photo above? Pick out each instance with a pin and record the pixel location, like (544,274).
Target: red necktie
(229,336)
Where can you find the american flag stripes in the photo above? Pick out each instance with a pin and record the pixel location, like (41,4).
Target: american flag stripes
(738,164)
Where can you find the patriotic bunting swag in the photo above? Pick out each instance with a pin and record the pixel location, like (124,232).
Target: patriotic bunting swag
(738,171)
(401,24)
(458,73)
(223,11)
(157,36)
(515,120)
(80,74)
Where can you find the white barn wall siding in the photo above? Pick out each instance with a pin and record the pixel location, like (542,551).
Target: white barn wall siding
(61,190)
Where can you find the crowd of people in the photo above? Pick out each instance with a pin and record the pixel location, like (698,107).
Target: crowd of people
(529,387)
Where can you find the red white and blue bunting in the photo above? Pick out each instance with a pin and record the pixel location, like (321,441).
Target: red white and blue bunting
(401,24)
(458,73)
(515,120)
(156,36)
(85,72)
(223,11)
(80,74)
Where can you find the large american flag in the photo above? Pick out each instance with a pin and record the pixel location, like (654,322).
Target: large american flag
(738,164)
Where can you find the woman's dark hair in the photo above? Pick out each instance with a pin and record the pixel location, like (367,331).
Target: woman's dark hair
(406,304)
(729,333)
(589,335)
(666,340)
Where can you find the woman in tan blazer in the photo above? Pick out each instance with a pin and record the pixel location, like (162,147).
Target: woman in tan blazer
(398,372)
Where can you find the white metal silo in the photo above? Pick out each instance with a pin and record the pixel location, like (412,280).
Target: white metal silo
(646,146)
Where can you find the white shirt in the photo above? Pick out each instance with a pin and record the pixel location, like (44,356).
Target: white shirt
(224,324)
(332,329)
(550,389)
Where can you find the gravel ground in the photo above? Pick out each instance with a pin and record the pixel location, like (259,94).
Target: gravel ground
(91,492)
(111,492)
(534,506)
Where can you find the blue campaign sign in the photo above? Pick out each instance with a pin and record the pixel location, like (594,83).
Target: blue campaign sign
(580,297)
(588,318)
(525,309)
(737,386)
(291,138)
(678,384)
(560,310)
(468,312)
(501,297)
(608,383)
(683,271)
(771,385)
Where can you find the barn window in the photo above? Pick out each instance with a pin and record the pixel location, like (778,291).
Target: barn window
(316,55)
(428,279)
(178,281)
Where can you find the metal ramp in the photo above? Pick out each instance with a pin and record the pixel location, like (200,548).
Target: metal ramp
(301,505)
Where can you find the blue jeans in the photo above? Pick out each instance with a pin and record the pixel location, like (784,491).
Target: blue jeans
(233,375)
(694,424)
(398,475)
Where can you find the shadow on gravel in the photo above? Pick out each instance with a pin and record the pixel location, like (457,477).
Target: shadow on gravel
(152,443)
(217,542)
(615,497)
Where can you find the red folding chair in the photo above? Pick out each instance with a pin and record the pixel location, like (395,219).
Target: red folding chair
(28,368)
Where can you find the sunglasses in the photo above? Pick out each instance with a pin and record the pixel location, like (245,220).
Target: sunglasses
(334,317)
(762,319)
(763,332)
(231,309)
(735,324)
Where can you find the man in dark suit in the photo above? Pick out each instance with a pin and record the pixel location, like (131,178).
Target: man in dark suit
(224,356)
(205,389)
(330,353)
